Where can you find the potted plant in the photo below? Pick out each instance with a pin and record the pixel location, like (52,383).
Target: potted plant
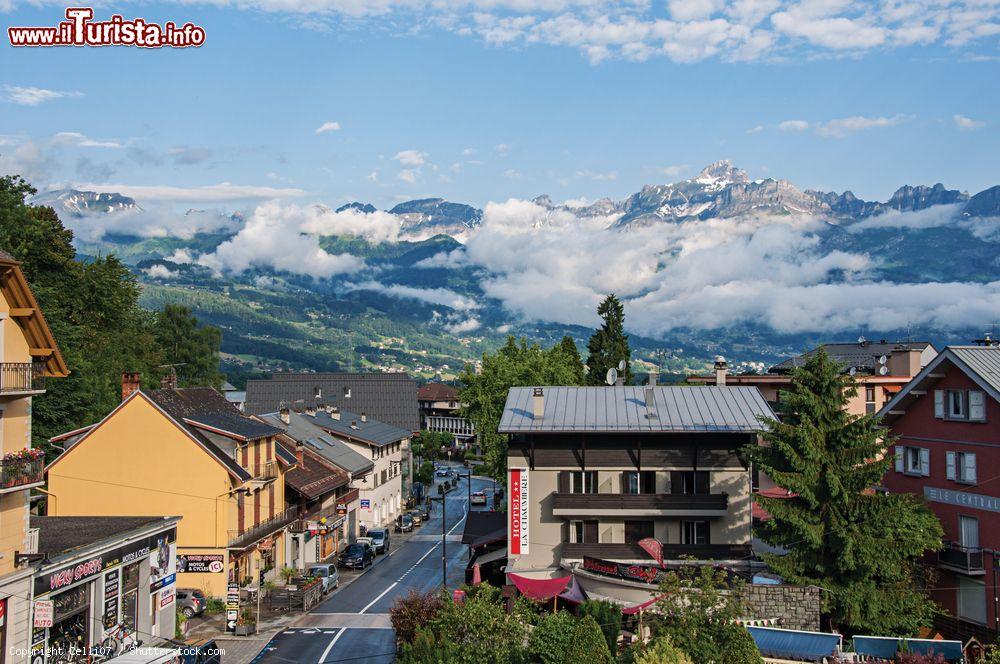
(246,623)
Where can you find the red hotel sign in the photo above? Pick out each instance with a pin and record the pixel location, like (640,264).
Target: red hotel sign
(518,511)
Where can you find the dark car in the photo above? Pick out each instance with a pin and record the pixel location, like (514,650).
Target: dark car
(358,556)
(425,512)
(380,540)
(191,602)
(404,524)
(201,652)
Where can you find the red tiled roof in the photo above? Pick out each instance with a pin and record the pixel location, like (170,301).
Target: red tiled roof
(437,392)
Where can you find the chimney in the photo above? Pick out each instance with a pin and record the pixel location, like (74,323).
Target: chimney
(169,381)
(285,414)
(311,410)
(354,424)
(904,361)
(721,369)
(347,393)
(335,413)
(364,417)
(329,408)
(300,450)
(537,404)
(653,377)
(130,384)
(651,399)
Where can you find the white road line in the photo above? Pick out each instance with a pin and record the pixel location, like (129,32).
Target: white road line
(384,593)
(329,647)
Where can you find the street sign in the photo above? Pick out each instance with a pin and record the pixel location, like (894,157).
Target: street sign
(44,612)
(366,504)
(232,606)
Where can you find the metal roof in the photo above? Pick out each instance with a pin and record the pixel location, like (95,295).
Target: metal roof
(624,408)
(857,355)
(794,644)
(983,360)
(887,647)
(350,425)
(302,428)
(389,397)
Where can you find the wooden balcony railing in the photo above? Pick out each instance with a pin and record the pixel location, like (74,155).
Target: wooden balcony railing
(16,377)
(16,473)
(570,503)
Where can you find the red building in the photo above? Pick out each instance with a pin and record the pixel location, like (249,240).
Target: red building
(947,425)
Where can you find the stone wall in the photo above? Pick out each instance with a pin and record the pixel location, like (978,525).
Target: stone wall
(791,607)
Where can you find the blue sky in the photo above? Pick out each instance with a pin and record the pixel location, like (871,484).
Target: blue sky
(485,100)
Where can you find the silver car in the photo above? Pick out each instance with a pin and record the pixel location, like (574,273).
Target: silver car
(329,574)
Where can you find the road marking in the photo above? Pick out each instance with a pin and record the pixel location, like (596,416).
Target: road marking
(384,593)
(329,647)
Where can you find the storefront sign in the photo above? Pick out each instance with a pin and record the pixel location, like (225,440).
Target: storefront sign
(640,573)
(366,504)
(163,582)
(232,606)
(112,583)
(518,510)
(44,613)
(167,597)
(976,501)
(59,579)
(341,509)
(201,563)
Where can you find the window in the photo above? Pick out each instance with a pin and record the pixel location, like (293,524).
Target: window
(694,532)
(968,531)
(956,405)
(637,530)
(967,405)
(870,399)
(689,481)
(961,467)
(583,481)
(639,482)
(583,532)
(971,599)
(913,461)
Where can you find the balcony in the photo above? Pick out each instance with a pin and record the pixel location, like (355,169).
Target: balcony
(639,504)
(670,551)
(242,539)
(456,426)
(21,378)
(329,512)
(22,470)
(964,559)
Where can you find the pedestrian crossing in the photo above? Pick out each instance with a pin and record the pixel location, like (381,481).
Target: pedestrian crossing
(329,623)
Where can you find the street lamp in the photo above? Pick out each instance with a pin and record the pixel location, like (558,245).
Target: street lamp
(444,556)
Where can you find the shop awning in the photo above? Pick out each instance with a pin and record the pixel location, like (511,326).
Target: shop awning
(574,592)
(886,647)
(491,556)
(540,589)
(794,644)
(632,610)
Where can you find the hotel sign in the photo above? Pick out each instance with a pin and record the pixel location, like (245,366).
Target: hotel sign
(518,511)
(974,501)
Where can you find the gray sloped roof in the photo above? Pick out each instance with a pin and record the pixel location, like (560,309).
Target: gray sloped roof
(302,428)
(983,360)
(623,409)
(350,425)
(389,397)
(858,355)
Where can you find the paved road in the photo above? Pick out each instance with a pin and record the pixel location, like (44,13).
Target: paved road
(352,625)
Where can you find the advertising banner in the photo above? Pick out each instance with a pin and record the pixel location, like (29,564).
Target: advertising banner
(44,612)
(201,563)
(640,573)
(518,511)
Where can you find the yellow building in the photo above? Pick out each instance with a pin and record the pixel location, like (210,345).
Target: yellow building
(190,453)
(28,354)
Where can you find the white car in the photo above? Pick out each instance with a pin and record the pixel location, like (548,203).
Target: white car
(478,498)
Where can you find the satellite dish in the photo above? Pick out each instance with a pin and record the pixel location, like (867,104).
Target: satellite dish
(853,371)
(612,376)
(621,366)
(883,359)
(883,370)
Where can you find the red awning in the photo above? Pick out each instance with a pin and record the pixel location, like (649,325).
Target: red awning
(632,610)
(540,589)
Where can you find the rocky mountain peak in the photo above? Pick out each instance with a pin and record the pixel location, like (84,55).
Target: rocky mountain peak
(722,171)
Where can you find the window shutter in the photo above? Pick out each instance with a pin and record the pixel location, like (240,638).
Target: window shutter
(939,404)
(977,405)
(925,462)
(950,458)
(969,471)
(563,482)
(899,458)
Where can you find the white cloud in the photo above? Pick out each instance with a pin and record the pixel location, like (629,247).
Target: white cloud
(755,129)
(841,127)
(372,177)
(461,327)
(153,222)
(224,192)
(79,140)
(932,217)
(511,173)
(439,296)
(966,123)
(160,272)
(502,149)
(408,175)
(328,127)
(793,125)
(30,96)
(411,158)
(276,237)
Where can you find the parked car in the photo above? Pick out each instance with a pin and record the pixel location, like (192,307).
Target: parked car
(478,498)
(357,556)
(366,540)
(445,473)
(200,651)
(191,602)
(418,519)
(425,512)
(328,573)
(380,540)
(404,524)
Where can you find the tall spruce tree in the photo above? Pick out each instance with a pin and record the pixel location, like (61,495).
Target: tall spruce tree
(608,345)
(859,545)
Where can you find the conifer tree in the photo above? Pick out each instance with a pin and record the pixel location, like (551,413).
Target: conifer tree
(859,545)
(608,345)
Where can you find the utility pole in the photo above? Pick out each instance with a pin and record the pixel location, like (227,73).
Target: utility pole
(444,555)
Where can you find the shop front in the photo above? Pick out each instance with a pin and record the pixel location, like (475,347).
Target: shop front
(121,583)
